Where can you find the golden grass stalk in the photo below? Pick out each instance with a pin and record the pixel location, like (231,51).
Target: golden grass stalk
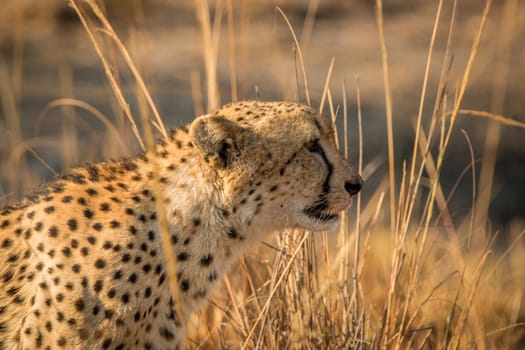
(499,119)
(412,182)
(231,50)
(107,68)
(108,29)
(439,102)
(357,252)
(389,117)
(210,44)
(299,54)
(325,88)
(344,227)
(492,135)
(474,192)
(466,78)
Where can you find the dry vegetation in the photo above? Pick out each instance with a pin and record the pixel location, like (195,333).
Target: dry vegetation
(402,272)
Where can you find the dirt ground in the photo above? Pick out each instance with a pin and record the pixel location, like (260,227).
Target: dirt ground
(43,46)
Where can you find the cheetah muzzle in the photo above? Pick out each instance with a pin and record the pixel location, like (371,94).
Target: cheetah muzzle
(81,266)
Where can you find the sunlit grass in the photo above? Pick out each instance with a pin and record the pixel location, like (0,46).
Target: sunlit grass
(421,282)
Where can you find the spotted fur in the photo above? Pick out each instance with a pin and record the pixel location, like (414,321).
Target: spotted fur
(81,266)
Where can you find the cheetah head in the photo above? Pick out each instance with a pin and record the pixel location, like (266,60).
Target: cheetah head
(276,165)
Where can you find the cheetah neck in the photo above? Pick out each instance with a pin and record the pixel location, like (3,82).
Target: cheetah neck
(205,235)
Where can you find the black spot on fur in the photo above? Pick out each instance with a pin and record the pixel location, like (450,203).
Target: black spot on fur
(123,186)
(6,243)
(182,256)
(88,214)
(53,231)
(97,287)
(66,251)
(75,178)
(57,187)
(61,342)
(151,236)
(165,333)
(38,226)
(100,263)
(213,276)
(80,305)
(132,278)
(72,224)
(206,260)
(7,276)
(115,199)
(129,165)
(185,285)
(92,172)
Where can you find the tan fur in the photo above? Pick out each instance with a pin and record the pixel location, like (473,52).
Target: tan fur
(81,265)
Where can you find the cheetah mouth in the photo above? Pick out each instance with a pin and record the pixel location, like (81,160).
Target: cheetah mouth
(322,213)
(319,213)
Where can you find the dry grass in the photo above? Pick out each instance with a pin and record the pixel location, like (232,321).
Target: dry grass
(425,281)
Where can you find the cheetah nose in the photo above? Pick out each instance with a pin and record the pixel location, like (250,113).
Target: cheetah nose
(354,185)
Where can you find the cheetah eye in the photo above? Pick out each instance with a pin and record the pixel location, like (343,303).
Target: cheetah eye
(313,146)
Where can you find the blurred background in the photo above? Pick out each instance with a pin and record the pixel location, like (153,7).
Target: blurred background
(45,54)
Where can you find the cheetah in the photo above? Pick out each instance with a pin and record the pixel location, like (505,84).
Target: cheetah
(81,262)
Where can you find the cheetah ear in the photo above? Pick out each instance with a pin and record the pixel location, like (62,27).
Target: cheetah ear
(217,139)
